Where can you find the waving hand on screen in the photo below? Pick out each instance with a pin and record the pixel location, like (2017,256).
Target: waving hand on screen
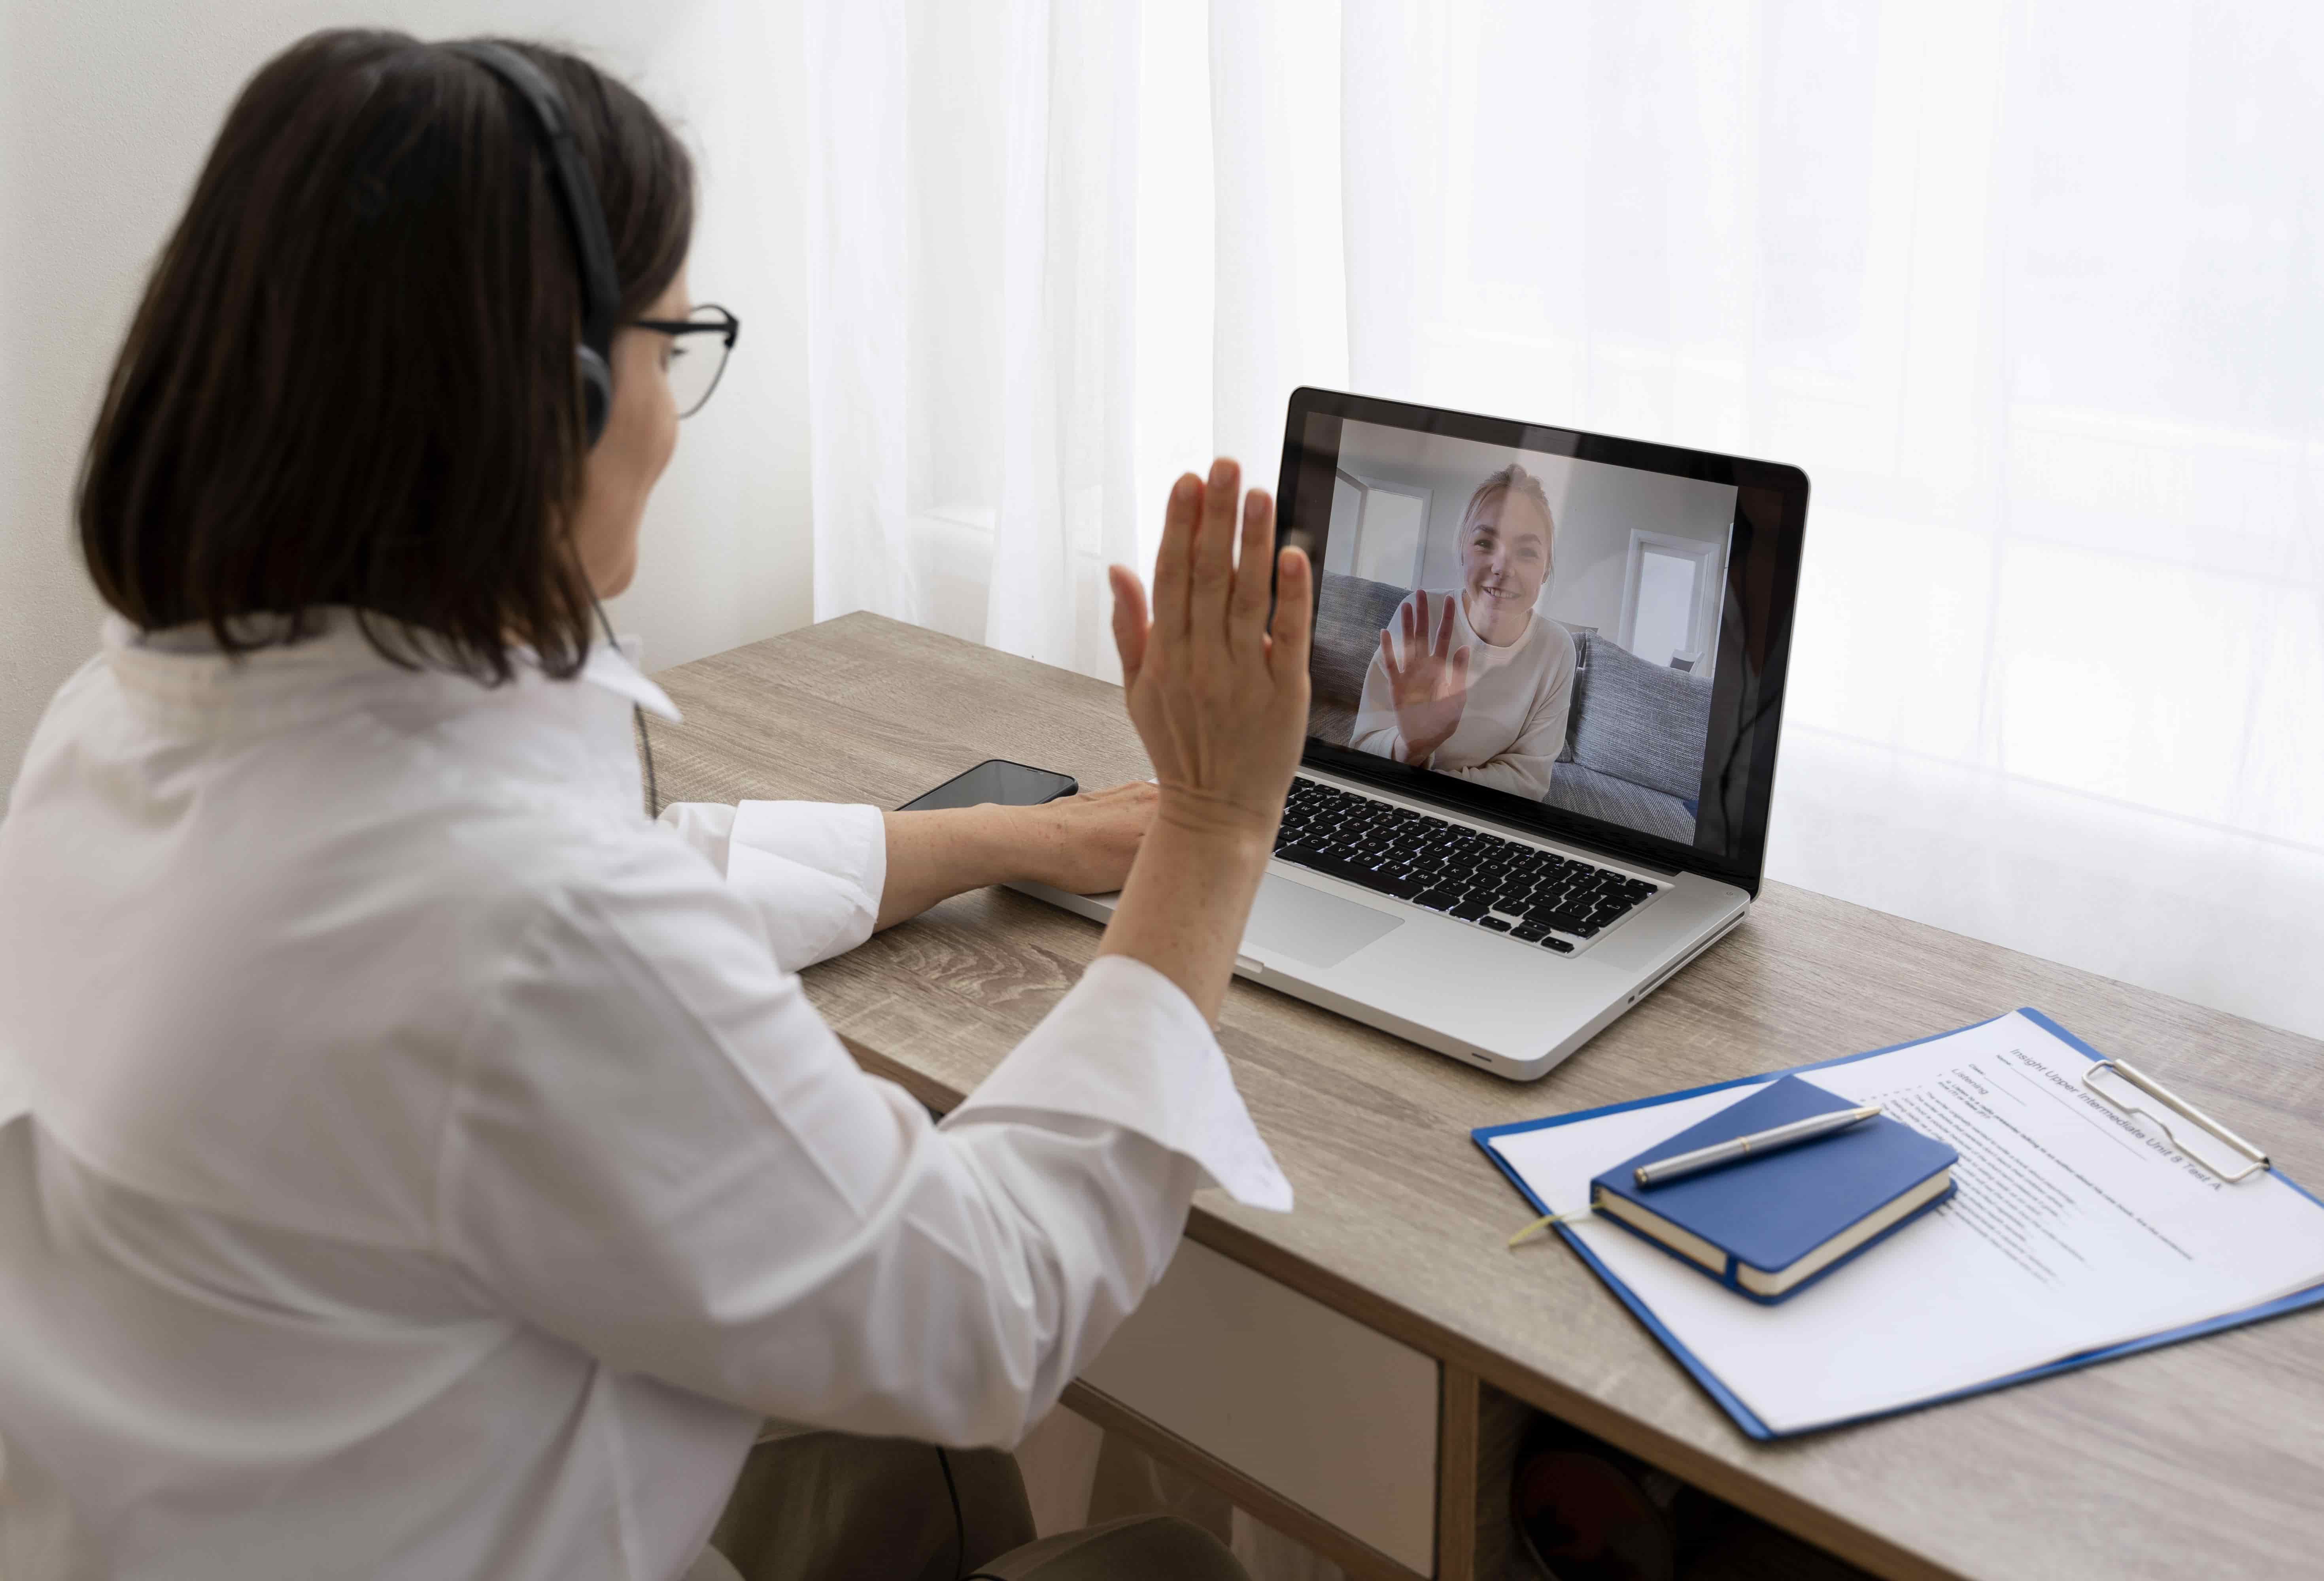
(1431,683)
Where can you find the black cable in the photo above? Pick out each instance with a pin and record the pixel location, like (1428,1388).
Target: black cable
(645,737)
(959,1527)
(645,750)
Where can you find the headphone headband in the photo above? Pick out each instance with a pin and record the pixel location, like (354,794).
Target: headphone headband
(584,217)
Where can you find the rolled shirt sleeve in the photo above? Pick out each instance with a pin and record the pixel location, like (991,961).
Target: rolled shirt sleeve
(660,1152)
(814,871)
(1127,1047)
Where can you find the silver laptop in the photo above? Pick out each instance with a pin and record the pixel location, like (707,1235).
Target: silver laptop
(1548,674)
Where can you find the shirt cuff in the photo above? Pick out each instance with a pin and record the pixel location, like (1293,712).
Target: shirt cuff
(1128,1047)
(814,870)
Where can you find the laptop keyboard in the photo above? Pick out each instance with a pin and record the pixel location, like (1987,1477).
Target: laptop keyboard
(1521,890)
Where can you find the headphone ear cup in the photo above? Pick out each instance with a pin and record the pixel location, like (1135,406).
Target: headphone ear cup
(596,391)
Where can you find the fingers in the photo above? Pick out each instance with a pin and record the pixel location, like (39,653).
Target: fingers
(1294,613)
(1126,806)
(1442,646)
(1459,671)
(1410,624)
(1172,563)
(1211,571)
(1254,562)
(1387,659)
(1129,621)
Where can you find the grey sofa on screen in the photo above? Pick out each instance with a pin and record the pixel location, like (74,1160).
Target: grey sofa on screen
(1633,742)
(1633,738)
(1350,616)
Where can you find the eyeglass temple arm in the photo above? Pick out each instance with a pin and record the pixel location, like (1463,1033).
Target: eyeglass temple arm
(726,324)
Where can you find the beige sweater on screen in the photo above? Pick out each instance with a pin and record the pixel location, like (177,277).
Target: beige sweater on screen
(1513,721)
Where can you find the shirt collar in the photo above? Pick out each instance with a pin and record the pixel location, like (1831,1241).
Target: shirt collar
(615,668)
(183,661)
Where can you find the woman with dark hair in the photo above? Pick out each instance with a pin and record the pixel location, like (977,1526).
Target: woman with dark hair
(430,1164)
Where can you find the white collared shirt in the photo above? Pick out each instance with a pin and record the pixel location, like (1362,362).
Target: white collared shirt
(429,1168)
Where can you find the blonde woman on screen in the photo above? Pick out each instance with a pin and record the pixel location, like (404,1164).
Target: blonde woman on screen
(1473,683)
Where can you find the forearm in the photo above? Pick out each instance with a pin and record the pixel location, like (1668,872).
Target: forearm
(1183,910)
(936,855)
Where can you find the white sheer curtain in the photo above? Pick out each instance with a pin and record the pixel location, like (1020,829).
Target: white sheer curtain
(2032,289)
(972,230)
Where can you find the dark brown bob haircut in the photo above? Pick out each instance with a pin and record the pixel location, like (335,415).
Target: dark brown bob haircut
(352,378)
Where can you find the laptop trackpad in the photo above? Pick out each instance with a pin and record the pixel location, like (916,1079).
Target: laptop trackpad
(1307,924)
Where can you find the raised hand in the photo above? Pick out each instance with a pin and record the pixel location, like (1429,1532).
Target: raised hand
(1221,701)
(1431,684)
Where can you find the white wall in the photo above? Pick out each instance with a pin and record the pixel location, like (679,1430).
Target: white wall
(106,110)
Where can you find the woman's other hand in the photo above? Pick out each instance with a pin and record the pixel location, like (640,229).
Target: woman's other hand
(1430,686)
(1221,702)
(1085,844)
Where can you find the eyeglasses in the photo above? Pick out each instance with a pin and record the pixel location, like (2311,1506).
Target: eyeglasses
(693,369)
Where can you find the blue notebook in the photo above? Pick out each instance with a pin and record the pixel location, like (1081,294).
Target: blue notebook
(1725,1398)
(1768,1228)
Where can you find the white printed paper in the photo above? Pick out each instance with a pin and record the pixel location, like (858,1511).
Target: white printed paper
(2075,1227)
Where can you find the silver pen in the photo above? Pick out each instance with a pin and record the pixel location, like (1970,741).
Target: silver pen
(1757,1142)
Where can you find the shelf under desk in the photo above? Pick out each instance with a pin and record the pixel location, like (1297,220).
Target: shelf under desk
(2204,1459)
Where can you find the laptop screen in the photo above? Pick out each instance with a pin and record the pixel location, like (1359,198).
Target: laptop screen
(1536,622)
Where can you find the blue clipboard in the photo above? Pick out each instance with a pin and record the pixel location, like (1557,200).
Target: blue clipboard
(1744,1417)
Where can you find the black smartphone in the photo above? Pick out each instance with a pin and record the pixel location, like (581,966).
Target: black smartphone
(996,780)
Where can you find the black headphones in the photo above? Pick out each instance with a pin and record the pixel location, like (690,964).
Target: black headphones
(576,194)
(601,288)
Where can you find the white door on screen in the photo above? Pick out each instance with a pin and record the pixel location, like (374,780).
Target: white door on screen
(1668,596)
(1392,535)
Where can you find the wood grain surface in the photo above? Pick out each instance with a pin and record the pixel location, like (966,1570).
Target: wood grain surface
(2202,1459)
(1457,1460)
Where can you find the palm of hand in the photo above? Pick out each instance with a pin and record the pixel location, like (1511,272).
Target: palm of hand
(1430,684)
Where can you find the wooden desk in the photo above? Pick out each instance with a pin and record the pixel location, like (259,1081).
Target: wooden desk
(2205,1459)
